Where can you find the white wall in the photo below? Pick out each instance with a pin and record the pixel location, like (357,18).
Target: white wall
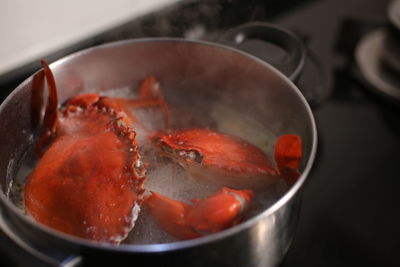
(33,28)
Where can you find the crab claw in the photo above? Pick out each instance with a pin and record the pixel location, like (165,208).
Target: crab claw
(288,156)
(51,115)
(170,215)
(205,216)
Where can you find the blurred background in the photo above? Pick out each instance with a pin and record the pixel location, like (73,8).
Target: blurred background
(350,210)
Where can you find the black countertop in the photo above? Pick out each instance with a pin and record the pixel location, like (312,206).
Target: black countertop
(350,210)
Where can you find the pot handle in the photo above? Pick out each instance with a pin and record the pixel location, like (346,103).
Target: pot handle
(292,63)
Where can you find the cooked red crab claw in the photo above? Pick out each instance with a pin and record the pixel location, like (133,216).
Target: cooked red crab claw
(288,156)
(205,216)
(226,160)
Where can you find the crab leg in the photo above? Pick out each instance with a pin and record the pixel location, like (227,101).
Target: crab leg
(150,96)
(288,156)
(150,89)
(51,114)
(205,216)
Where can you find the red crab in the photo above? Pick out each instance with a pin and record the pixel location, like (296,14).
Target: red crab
(224,160)
(89,179)
(228,160)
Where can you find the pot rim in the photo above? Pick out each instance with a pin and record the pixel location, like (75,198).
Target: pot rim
(172,246)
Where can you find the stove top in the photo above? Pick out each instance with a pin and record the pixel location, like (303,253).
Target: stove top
(349,214)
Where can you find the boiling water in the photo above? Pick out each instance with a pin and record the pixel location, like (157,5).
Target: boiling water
(166,177)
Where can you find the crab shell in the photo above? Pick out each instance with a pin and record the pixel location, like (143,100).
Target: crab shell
(88,183)
(217,158)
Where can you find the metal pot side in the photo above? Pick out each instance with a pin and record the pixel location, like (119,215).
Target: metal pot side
(191,72)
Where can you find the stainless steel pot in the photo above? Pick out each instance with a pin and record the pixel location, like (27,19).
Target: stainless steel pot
(190,72)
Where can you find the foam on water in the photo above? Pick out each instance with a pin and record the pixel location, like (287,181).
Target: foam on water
(146,231)
(123,91)
(18,170)
(171,180)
